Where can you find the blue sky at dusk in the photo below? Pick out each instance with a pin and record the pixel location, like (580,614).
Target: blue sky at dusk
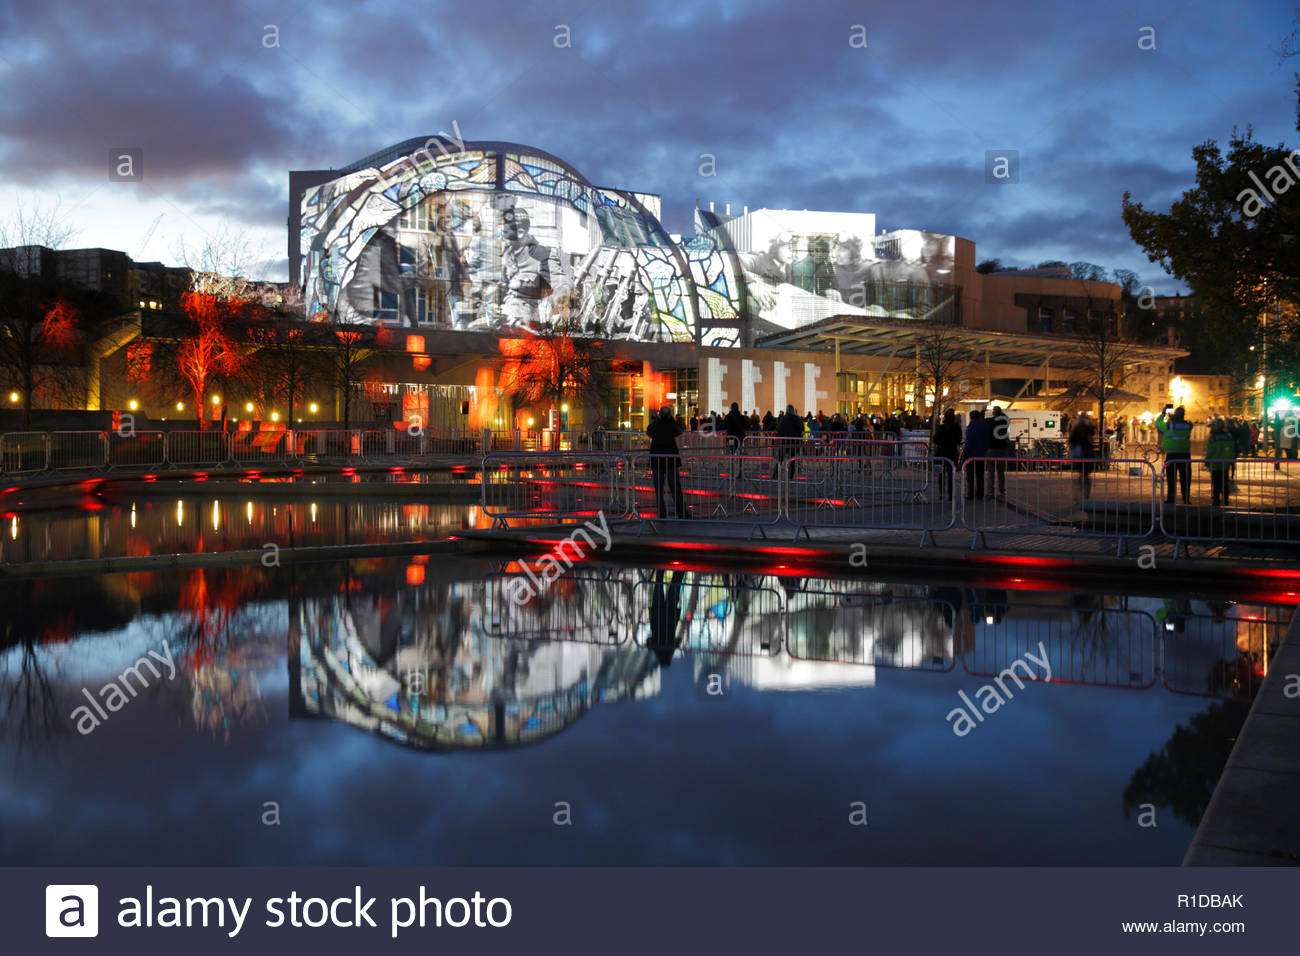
(793,115)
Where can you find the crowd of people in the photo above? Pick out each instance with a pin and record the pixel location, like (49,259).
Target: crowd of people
(977,449)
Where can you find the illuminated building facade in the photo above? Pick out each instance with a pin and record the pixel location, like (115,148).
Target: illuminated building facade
(458,247)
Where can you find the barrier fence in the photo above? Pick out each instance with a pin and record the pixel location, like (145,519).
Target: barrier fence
(1250,499)
(881,492)
(1094,498)
(552,485)
(136,449)
(26,453)
(731,489)
(1111,498)
(845,483)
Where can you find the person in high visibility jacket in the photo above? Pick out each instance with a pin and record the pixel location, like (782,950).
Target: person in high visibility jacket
(1220,453)
(1176,442)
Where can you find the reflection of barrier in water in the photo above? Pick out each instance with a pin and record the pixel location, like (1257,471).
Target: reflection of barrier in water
(863,627)
(1085,643)
(1225,653)
(582,605)
(728,614)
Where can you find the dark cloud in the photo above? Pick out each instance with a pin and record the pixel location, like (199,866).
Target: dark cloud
(225,98)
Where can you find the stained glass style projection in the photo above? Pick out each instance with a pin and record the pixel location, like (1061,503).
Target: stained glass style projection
(492,239)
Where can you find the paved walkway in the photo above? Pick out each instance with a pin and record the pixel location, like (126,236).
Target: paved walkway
(1254,816)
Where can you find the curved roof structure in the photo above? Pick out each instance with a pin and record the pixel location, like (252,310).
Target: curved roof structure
(615,255)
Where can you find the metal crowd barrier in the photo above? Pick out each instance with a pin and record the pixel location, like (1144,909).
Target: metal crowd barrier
(75,451)
(584,605)
(553,485)
(269,447)
(719,489)
(1248,499)
(880,492)
(136,449)
(198,448)
(326,444)
(1103,498)
(834,623)
(1085,643)
(723,618)
(24,452)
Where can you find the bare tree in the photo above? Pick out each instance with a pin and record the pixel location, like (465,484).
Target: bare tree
(354,343)
(290,356)
(40,327)
(550,366)
(222,264)
(33,224)
(1107,355)
(942,360)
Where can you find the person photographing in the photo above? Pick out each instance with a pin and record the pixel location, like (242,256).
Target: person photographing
(1176,442)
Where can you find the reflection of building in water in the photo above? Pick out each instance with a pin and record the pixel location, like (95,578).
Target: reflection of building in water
(434,669)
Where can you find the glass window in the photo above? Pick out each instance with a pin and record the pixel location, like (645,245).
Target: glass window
(1070,321)
(406,260)
(385,306)
(1045,320)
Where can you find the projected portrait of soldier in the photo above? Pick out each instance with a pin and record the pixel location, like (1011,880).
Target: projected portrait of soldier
(525,269)
(484,277)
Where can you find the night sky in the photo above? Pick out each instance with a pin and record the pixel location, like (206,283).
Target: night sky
(793,114)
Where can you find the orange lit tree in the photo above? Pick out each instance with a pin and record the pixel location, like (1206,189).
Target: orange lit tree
(39,339)
(553,364)
(209,351)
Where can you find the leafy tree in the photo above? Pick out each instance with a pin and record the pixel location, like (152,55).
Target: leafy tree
(989,266)
(1235,238)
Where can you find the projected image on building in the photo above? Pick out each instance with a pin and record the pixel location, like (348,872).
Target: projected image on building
(502,238)
(488,240)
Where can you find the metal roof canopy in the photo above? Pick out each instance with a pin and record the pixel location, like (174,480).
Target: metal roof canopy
(863,335)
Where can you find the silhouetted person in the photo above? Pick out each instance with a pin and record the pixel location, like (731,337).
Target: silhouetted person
(736,424)
(947,444)
(976,446)
(789,434)
(999,447)
(665,611)
(665,460)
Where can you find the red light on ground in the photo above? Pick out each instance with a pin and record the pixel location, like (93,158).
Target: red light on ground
(415,574)
(415,343)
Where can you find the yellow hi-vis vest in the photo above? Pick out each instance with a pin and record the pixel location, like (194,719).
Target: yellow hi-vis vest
(1175,437)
